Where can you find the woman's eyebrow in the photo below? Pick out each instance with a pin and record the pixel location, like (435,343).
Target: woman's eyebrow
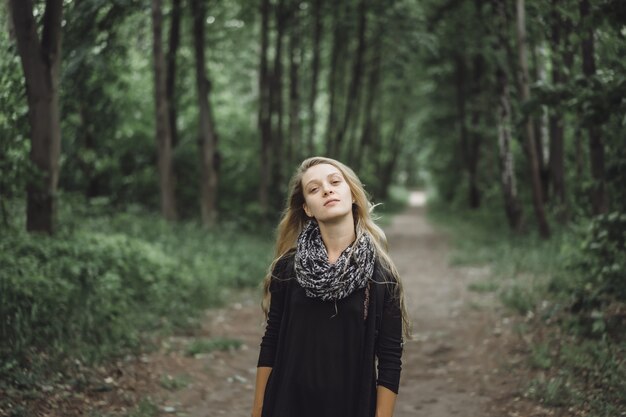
(316,180)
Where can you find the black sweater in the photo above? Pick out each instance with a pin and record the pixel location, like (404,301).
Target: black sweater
(323,355)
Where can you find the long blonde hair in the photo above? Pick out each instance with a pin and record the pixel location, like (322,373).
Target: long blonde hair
(294,218)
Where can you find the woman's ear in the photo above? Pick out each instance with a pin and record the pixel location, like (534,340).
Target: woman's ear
(306,209)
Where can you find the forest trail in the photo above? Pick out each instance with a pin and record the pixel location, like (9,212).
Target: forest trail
(463,359)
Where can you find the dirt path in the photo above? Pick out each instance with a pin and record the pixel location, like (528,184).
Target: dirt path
(462,360)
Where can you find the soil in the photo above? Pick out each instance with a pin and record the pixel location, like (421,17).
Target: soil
(464,359)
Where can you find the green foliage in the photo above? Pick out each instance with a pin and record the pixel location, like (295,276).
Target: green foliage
(15,167)
(93,291)
(602,259)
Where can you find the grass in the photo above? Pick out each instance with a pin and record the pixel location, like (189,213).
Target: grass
(174,383)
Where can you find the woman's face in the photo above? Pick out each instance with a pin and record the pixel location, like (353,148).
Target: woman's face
(327,195)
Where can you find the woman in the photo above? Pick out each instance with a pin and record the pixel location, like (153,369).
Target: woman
(335,305)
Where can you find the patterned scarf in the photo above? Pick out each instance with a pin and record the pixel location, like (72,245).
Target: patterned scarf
(332,282)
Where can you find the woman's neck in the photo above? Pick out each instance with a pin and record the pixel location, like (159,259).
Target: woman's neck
(337,237)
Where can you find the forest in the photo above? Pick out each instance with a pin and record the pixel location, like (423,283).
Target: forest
(146,149)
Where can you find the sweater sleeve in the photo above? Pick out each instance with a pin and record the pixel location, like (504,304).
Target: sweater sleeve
(269,342)
(390,342)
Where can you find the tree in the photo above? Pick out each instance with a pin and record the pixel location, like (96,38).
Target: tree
(41,60)
(207,138)
(596,145)
(531,150)
(163,128)
(265,113)
(508,181)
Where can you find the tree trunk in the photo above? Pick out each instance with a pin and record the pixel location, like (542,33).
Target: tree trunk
(315,70)
(541,141)
(542,223)
(41,61)
(475,138)
(276,96)
(207,136)
(335,77)
(171,68)
(372,86)
(352,98)
(557,151)
(395,148)
(596,145)
(295,140)
(265,121)
(163,129)
(460,69)
(507,162)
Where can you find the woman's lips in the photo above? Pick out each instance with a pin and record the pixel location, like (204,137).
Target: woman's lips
(330,202)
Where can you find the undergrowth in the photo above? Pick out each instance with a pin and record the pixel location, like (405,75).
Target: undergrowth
(107,284)
(570,290)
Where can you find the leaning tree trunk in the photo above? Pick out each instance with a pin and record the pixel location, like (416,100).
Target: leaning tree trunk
(531,150)
(163,128)
(207,138)
(41,60)
(352,99)
(372,89)
(508,180)
(596,145)
(265,114)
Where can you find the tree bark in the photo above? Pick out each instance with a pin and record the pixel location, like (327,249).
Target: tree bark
(475,141)
(295,133)
(372,86)
(163,128)
(460,83)
(395,146)
(557,151)
(596,145)
(540,127)
(207,135)
(315,70)
(352,98)
(542,223)
(508,180)
(335,77)
(276,98)
(41,61)
(174,41)
(265,121)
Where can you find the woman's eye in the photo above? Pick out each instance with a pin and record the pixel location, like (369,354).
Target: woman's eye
(312,190)
(336,182)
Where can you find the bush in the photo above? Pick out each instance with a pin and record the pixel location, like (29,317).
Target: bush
(105,278)
(94,290)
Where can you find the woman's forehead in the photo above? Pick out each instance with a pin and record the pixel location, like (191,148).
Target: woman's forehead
(318,172)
